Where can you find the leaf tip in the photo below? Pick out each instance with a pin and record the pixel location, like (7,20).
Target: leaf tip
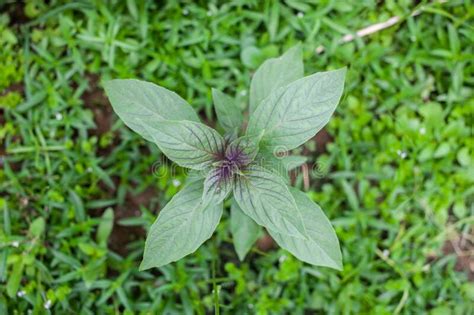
(108,84)
(297,49)
(337,260)
(147,265)
(143,266)
(241,256)
(343,70)
(338,265)
(215,93)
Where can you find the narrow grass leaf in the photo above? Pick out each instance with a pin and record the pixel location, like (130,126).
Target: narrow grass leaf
(105,227)
(79,211)
(14,279)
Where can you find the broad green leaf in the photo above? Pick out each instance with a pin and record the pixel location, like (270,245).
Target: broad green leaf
(290,162)
(264,196)
(293,114)
(194,175)
(217,186)
(267,159)
(228,112)
(275,73)
(231,136)
(182,226)
(280,164)
(189,144)
(139,102)
(245,231)
(322,247)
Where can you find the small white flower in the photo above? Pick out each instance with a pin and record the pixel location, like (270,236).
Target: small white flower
(59,116)
(176,182)
(402,154)
(282,259)
(422,130)
(47,304)
(21,293)
(319,49)
(15,243)
(185,12)
(385,253)
(300,15)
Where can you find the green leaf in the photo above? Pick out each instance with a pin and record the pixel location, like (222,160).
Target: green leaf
(105,227)
(275,73)
(267,159)
(189,144)
(76,201)
(37,227)
(263,196)
(194,175)
(322,247)
(14,279)
(246,146)
(293,114)
(228,112)
(216,187)
(280,164)
(290,162)
(245,231)
(443,150)
(182,226)
(139,102)
(464,157)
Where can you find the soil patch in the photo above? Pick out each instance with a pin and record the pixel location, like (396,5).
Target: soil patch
(463,247)
(322,139)
(266,243)
(122,235)
(95,100)
(16,12)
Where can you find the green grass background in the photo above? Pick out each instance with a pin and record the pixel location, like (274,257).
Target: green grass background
(78,189)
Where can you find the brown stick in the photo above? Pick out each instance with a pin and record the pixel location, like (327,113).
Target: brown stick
(371,29)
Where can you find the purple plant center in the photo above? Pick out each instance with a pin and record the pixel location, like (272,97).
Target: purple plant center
(232,160)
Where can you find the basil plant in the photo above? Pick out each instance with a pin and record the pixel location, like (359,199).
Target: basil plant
(286,109)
